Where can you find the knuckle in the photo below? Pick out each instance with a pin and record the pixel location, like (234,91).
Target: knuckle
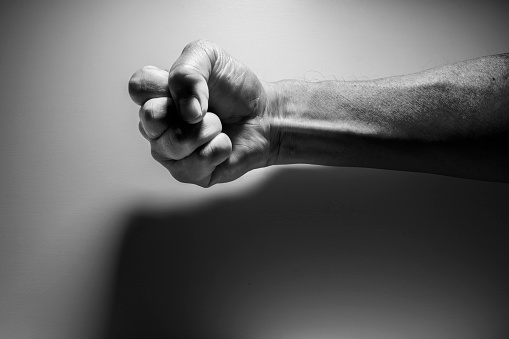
(199,43)
(142,130)
(147,111)
(184,172)
(157,155)
(155,117)
(135,79)
(138,78)
(178,136)
(206,154)
(146,114)
(176,72)
(137,83)
(134,88)
(181,72)
(204,184)
(171,145)
(180,177)
(188,66)
(178,145)
(180,174)
(148,69)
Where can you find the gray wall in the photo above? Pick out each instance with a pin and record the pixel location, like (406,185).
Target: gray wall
(97,240)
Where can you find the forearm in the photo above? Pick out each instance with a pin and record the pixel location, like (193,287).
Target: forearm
(452,120)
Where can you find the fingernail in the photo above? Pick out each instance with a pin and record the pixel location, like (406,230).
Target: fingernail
(190,109)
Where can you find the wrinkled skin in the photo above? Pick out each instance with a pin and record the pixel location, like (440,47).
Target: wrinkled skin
(207,119)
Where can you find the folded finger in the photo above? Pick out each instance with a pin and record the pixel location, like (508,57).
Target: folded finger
(147,83)
(156,116)
(198,167)
(181,139)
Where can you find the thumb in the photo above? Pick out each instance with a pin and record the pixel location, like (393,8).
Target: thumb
(188,80)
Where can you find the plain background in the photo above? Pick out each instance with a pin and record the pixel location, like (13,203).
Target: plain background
(74,171)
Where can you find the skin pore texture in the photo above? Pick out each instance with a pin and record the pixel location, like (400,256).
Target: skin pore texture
(210,120)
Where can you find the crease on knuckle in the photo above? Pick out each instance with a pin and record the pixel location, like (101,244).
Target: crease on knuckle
(198,44)
(184,73)
(178,143)
(147,115)
(156,154)
(206,154)
(147,111)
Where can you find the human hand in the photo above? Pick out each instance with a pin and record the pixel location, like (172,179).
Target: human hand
(208,119)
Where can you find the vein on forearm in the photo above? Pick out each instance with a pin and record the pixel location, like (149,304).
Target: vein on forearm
(427,121)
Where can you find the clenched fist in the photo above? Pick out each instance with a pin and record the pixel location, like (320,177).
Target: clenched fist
(207,119)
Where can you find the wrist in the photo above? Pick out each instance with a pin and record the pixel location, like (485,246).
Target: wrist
(274,112)
(289,111)
(323,123)
(305,120)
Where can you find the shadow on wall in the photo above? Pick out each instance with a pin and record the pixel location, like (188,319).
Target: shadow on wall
(334,253)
